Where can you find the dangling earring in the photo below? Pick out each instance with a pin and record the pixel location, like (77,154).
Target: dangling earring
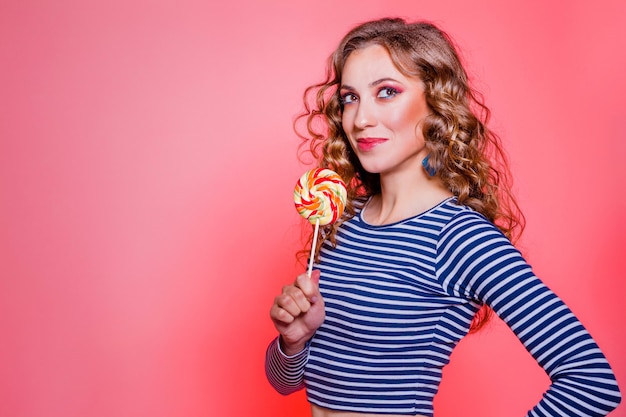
(431,171)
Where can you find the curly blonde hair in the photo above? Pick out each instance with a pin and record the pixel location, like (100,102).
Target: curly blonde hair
(467,157)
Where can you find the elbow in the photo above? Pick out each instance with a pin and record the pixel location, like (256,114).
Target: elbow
(286,389)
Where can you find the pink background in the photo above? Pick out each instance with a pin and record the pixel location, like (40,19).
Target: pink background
(146,169)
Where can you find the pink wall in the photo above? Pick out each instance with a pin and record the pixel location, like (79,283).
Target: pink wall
(146,169)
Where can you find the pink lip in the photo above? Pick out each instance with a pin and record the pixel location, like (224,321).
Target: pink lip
(367,144)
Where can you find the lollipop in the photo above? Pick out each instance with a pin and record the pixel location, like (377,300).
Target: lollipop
(320,197)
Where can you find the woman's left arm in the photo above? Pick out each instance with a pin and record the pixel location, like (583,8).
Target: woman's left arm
(478,262)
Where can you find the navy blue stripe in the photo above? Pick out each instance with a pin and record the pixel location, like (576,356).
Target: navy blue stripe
(400,297)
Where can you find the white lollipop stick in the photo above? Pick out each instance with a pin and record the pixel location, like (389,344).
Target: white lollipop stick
(313,245)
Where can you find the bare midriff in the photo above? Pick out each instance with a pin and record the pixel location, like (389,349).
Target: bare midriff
(325,412)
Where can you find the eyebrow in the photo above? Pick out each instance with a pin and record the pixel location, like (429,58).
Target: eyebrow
(372,84)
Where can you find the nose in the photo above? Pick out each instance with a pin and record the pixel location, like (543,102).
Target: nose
(365,116)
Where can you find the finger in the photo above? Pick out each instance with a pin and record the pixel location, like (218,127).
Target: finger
(281,316)
(293,301)
(298,297)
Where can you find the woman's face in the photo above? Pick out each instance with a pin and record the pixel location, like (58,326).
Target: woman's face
(382,112)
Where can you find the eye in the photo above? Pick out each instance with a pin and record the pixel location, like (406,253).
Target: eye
(348,98)
(387,92)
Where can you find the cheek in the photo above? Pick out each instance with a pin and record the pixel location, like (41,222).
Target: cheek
(346,121)
(408,118)
(402,119)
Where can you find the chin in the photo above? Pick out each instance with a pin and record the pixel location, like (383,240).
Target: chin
(372,168)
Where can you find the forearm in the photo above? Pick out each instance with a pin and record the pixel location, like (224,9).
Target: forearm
(285,373)
(583,383)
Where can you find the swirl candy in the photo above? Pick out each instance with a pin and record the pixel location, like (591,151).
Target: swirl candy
(320,196)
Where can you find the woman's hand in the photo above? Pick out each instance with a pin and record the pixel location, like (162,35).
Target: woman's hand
(298,312)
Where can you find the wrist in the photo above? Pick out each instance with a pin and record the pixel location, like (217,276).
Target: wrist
(291,349)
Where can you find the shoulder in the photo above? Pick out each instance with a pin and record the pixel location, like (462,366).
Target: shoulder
(468,222)
(357,205)
(473,255)
(469,232)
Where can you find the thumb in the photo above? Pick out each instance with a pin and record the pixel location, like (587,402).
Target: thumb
(315,277)
(309,285)
(315,280)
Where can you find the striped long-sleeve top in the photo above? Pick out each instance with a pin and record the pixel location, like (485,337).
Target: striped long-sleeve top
(398,299)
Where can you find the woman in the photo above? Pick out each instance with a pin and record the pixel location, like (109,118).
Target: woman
(424,248)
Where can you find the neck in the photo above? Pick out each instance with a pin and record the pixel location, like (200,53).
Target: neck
(405,196)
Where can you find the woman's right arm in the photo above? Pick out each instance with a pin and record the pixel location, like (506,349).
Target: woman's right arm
(296,313)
